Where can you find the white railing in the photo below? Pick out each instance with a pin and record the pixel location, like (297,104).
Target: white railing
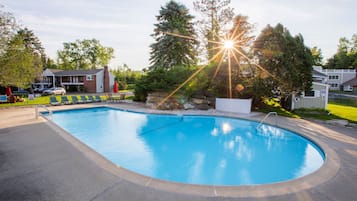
(45,107)
(266,116)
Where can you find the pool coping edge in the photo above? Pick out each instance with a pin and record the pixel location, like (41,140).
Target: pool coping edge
(328,170)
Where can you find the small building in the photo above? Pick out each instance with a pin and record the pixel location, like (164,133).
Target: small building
(336,77)
(350,85)
(93,81)
(317,97)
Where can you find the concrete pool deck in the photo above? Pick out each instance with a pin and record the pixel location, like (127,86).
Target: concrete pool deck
(38,161)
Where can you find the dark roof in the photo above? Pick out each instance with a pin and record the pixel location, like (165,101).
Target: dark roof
(54,70)
(77,72)
(351,82)
(317,73)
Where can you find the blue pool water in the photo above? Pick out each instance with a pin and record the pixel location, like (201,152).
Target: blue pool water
(193,149)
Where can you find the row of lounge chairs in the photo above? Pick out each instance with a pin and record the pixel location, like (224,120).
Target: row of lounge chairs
(75,100)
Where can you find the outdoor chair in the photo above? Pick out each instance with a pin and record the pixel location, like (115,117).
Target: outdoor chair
(98,99)
(85,100)
(75,100)
(54,101)
(64,100)
(91,99)
(3,99)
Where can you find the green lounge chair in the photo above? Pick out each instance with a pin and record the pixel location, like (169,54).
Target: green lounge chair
(85,100)
(64,100)
(75,100)
(91,99)
(54,101)
(98,99)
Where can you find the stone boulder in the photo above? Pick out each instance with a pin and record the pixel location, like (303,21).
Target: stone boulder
(153,100)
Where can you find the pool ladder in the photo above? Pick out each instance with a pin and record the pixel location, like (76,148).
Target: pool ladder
(266,116)
(37,113)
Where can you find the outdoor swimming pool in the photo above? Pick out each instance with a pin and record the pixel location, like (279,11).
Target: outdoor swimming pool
(192,149)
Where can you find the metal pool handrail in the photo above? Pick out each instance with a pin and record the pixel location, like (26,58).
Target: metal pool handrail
(45,107)
(266,116)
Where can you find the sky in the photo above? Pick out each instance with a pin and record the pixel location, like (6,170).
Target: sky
(126,25)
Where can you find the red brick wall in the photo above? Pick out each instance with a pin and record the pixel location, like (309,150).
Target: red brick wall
(90,85)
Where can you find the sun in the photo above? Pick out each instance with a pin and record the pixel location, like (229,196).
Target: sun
(228,44)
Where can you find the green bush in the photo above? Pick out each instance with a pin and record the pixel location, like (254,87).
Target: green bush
(161,80)
(131,86)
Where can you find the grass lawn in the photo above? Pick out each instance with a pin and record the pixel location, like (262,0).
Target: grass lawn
(343,111)
(42,100)
(335,111)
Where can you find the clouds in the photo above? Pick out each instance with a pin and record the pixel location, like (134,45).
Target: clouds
(126,25)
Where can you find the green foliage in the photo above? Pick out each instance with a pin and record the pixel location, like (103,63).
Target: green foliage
(49,63)
(126,77)
(8,28)
(169,50)
(198,85)
(161,80)
(317,56)
(286,58)
(21,63)
(84,54)
(239,56)
(21,53)
(217,15)
(346,56)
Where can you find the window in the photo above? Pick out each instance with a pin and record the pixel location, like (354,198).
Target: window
(309,94)
(334,85)
(333,77)
(89,77)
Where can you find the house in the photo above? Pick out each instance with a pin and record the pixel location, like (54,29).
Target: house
(317,97)
(93,81)
(350,85)
(336,77)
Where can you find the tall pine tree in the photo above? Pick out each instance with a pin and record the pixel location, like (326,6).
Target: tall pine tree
(170,50)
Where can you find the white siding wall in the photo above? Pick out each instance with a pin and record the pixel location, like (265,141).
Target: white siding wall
(100,82)
(111,81)
(338,76)
(318,101)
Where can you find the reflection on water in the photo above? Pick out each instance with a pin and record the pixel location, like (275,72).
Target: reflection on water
(194,149)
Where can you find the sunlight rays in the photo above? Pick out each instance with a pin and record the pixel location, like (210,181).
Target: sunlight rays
(226,48)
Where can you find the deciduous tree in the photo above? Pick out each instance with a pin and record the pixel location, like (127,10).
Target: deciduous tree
(8,28)
(287,60)
(346,56)
(20,65)
(317,56)
(21,53)
(84,54)
(217,14)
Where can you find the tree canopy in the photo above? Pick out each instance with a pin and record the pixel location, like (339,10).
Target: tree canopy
(346,56)
(241,35)
(216,15)
(174,38)
(84,54)
(317,56)
(8,28)
(21,53)
(285,58)
(20,64)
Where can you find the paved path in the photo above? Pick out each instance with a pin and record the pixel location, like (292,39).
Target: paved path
(36,163)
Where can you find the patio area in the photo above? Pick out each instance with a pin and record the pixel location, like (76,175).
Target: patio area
(39,161)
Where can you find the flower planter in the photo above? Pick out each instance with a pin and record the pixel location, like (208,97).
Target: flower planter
(242,106)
